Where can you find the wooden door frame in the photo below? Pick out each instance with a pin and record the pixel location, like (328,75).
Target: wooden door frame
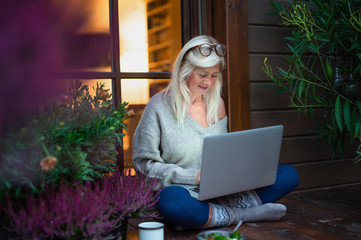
(227,21)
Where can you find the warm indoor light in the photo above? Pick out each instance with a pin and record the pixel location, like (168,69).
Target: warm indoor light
(97,16)
(134,49)
(133,40)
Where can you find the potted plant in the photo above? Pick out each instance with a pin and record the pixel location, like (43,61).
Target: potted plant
(59,178)
(89,210)
(73,138)
(324,73)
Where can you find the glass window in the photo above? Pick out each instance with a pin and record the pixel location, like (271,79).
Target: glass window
(150,34)
(149,41)
(164,33)
(87,38)
(133,36)
(136,106)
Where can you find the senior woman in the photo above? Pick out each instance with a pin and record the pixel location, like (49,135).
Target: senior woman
(168,144)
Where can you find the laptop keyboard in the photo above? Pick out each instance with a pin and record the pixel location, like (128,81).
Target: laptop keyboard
(195,189)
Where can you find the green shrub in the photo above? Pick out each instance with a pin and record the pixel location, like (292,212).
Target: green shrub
(74,139)
(324,73)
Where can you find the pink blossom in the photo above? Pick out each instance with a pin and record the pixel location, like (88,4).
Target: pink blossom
(48,163)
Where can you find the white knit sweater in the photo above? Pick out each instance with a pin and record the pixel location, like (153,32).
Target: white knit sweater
(166,151)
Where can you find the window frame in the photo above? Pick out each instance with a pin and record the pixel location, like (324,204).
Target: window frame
(116,75)
(227,21)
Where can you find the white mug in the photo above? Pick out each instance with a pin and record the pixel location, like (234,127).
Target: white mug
(151,231)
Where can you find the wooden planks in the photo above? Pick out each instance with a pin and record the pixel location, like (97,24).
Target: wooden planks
(256,63)
(307,149)
(312,159)
(263,96)
(328,173)
(267,39)
(262,13)
(296,124)
(324,214)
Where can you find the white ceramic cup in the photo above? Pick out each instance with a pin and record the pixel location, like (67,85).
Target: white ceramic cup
(151,231)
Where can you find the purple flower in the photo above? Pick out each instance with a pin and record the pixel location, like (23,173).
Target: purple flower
(63,212)
(131,195)
(91,210)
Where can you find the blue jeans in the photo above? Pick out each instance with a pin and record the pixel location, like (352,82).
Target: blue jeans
(177,206)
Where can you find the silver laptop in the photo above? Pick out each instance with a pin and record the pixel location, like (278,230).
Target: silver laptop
(238,161)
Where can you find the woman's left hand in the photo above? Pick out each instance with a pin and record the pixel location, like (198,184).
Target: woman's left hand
(198,178)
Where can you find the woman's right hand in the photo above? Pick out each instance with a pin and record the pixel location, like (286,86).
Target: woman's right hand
(198,178)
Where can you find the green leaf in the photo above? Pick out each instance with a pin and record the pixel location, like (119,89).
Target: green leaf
(87,171)
(290,49)
(300,88)
(32,186)
(313,48)
(338,113)
(17,192)
(236,235)
(323,39)
(347,117)
(281,91)
(318,99)
(358,127)
(357,69)
(99,166)
(329,72)
(6,183)
(86,178)
(289,38)
(312,112)
(358,103)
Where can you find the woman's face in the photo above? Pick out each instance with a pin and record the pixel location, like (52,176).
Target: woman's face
(202,79)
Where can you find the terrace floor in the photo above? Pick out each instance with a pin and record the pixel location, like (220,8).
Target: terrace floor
(324,214)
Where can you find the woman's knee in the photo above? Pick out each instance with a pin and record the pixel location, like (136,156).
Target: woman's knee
(289,176)
(176,205)
(170,199)
(287,181)
(175,202)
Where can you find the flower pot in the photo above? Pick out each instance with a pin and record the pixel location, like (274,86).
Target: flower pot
(120,229)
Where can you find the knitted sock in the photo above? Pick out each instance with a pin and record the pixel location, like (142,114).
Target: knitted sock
(225,216)
(239,200)
(246,199)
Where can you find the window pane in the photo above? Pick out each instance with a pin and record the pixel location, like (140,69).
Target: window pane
(150,34)
(135,91)
(152,87)
(138,91)
(87,42)
(131,124)
(164,33)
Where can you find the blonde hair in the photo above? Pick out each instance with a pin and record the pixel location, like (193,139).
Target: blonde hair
(184,65)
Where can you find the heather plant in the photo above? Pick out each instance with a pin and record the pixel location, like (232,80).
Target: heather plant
(132,196)
(74,139)
(64,212)
(324,73)
(83,211)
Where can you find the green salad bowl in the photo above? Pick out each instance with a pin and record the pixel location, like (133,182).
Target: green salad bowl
(222,234)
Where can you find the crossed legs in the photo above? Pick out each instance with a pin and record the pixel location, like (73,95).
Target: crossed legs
(178,207)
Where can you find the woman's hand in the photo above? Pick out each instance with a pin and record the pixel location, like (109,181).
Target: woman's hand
(198,178)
